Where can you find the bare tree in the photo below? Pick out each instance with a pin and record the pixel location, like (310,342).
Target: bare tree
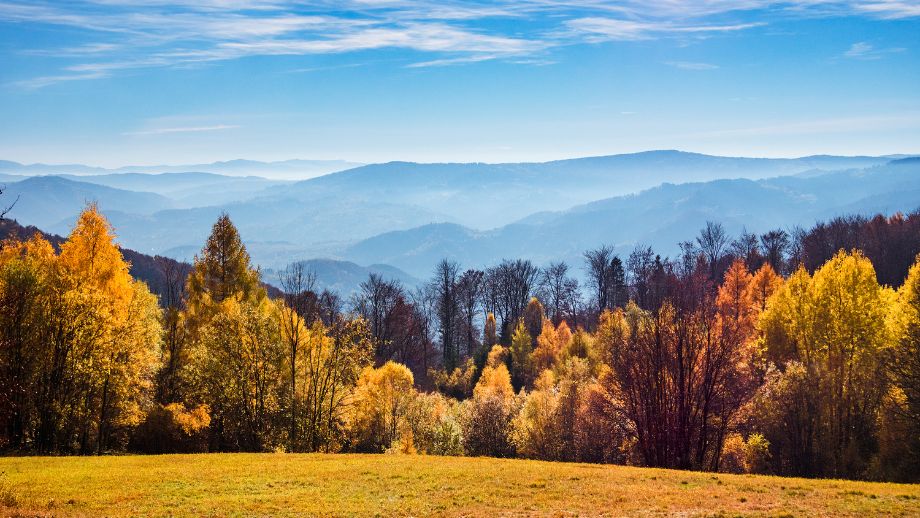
(639,267)
(423,300)
(598,265)
(469,288)
(375,301)
(399,330)
(172,353)
(297,284)
(6,210)
(775,243)
(509,287)
(747,248)
(329,307)
(713,241)
(556,290)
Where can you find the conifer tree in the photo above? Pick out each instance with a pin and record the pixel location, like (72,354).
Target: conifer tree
(223,268)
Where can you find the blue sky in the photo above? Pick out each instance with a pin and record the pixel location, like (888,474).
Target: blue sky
(114,82)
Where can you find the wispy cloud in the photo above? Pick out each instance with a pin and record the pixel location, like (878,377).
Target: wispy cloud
(130,34)
(43,81)
(451,61)
(867,51)
(595,29)
(183,129)
(691,65)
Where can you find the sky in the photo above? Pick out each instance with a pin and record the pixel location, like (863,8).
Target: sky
(117,82)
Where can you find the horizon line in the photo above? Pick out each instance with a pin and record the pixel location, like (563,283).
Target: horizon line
(380,162)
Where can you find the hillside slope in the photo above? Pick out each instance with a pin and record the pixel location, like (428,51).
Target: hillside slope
(46,200)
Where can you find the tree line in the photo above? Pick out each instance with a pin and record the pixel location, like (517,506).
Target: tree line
(790,352)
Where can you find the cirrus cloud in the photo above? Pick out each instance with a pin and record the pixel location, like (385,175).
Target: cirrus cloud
(131,34)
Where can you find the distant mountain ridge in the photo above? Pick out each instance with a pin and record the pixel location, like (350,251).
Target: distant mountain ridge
(660,217)
(46,200)
(503,193)
(286,169)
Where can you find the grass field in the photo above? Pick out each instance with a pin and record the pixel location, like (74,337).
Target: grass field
(388,485)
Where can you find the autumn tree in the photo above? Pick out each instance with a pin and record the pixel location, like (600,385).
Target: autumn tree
(536,430)
(80,340)
(27,279)
(380,406)
(520,355)
(552,343)
(489,339)
(238,349)
(833,327)
(764,284)
(486,419)
(222,269)
(904,401)
(679,373)
(558,421)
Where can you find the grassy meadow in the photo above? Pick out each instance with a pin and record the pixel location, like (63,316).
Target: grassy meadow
(397,485)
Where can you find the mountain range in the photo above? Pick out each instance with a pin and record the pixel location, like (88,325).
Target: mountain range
(286,169)
(660,217)
(410,215)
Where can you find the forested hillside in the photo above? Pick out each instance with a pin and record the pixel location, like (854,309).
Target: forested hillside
(793,354)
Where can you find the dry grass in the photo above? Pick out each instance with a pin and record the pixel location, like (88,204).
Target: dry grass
(392,485)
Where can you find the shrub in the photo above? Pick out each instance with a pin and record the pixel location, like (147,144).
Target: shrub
(486,418)
(173,429)
(745,456)
(536,430)
(433,421)
(459,383)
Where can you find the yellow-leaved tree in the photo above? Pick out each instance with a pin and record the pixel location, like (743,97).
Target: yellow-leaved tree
(328,364)
(237,347)
(486,417)
(380,406)
(829,335)
(95,335)
(899,441)
(552,342)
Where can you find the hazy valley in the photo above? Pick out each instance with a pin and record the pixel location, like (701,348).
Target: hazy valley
(407,216)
